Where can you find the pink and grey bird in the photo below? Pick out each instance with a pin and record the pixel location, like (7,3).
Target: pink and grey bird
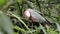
(34,16)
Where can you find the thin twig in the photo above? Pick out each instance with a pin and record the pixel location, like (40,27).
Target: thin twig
(38,4)
(20,20)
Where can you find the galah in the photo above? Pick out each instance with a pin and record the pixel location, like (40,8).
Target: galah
(35,16)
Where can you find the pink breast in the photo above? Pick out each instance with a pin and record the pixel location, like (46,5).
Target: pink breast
(33,19)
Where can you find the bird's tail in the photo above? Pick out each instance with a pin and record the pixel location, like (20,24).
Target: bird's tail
(48,22)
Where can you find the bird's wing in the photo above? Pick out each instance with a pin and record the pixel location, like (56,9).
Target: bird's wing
(37,16)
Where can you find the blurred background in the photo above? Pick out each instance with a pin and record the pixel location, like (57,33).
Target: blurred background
(12,19)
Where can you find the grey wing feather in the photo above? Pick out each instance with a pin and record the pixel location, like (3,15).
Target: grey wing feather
(38,17)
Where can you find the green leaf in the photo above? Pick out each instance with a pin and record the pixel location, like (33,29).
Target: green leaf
(5,23)
(19,29)
(2,2)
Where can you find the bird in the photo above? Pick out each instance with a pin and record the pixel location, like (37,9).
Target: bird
(35,16)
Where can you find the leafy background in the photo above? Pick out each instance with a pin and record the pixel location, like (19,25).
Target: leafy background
(13,22)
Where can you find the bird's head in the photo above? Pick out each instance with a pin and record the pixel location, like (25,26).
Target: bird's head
(27,13)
